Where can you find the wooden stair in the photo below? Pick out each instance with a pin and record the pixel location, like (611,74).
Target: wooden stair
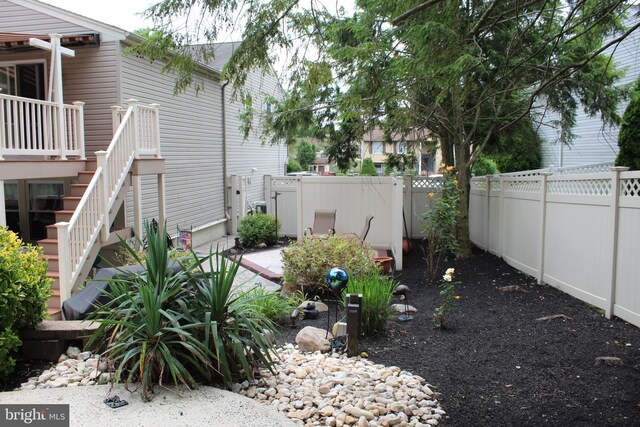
(50,243)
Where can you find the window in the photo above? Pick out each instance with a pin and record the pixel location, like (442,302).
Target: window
(25,80)
(11,207)
(401,148)
(44,199)
(377,148)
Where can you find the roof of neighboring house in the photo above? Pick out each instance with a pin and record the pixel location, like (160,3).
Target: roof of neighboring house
(377,134)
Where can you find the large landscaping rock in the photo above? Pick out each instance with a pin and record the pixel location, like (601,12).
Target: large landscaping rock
(311,339)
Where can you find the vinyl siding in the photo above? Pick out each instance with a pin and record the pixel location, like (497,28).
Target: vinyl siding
(191,143)
(15,18)
(244,155)
(594,142)
(91,77)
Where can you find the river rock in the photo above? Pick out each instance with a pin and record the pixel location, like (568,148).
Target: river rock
(311,339)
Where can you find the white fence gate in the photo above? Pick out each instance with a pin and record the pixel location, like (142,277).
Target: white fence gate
(353,197)
(579,233)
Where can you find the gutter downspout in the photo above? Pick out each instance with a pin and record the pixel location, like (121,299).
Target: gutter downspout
(224,151)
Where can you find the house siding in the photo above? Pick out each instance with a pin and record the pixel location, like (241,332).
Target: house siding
(91,77)
(594,142)
(245,155)
(15,18)
(191,143)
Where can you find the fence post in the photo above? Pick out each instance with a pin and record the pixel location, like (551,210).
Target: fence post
(64,260)
(268,184)
(543,223)
(615,201)
(235,192)
(299,206)
(503,216)
(407,204)
(103,194)
(486,236)
(79,128)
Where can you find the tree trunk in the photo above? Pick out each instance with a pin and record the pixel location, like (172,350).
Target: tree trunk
(463,169)
(446,147)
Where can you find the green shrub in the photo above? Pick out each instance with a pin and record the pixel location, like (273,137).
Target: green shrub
(183,328)
(629,136)
(377,292)
(307,263)
(440,222)
(24,292)
(270,304)
(293,166)
(484,166)
(258,228)
(368,168)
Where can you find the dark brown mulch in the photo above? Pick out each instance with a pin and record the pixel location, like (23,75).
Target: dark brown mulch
(497,365)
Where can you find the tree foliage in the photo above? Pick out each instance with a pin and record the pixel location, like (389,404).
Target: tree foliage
(629,136)
(306,154)
(368,168)
(466,71)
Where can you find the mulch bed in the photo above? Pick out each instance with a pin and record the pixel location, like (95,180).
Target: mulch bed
(499,366)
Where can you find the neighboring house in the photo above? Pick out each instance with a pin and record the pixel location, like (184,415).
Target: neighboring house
(374,146)
(182,174)
(594,142)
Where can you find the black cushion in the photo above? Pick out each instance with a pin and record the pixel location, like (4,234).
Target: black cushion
(80,305)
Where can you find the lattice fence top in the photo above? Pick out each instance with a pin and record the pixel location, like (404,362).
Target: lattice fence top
(480,185)
(630,187)
(522,186)
(596,167)
(283,182)
(590,168)
(426,183)
(587,187)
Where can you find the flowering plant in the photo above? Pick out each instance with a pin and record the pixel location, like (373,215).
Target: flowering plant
(448,304)
(440,221)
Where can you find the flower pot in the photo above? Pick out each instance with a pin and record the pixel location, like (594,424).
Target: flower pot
(385,263)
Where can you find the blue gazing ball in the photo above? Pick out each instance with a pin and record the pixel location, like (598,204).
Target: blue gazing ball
(337,280)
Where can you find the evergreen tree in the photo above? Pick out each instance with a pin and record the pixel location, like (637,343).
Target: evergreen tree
(368,168)
(629,136)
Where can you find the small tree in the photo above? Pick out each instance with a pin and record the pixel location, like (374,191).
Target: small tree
(306,154)
(629,136)
(368,168)
(293,165)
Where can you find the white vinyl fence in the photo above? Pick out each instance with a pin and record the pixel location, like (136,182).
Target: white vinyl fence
(577,232)
(353,197)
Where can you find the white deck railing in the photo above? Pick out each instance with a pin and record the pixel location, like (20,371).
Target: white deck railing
(136,135)
(30,127)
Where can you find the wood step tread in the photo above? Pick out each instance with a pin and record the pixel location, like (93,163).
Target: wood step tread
(54,313)
(45,241)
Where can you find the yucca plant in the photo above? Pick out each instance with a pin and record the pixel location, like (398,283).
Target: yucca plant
(232,329)
(377,292)
(143,334)
(186,327)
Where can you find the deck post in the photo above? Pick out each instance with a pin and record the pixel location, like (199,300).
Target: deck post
(103,197)
(64,260)
(3,214)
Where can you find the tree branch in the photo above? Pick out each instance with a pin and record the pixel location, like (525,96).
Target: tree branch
(556,76)
(419,8)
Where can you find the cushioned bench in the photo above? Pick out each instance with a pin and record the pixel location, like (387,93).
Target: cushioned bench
(84,302)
